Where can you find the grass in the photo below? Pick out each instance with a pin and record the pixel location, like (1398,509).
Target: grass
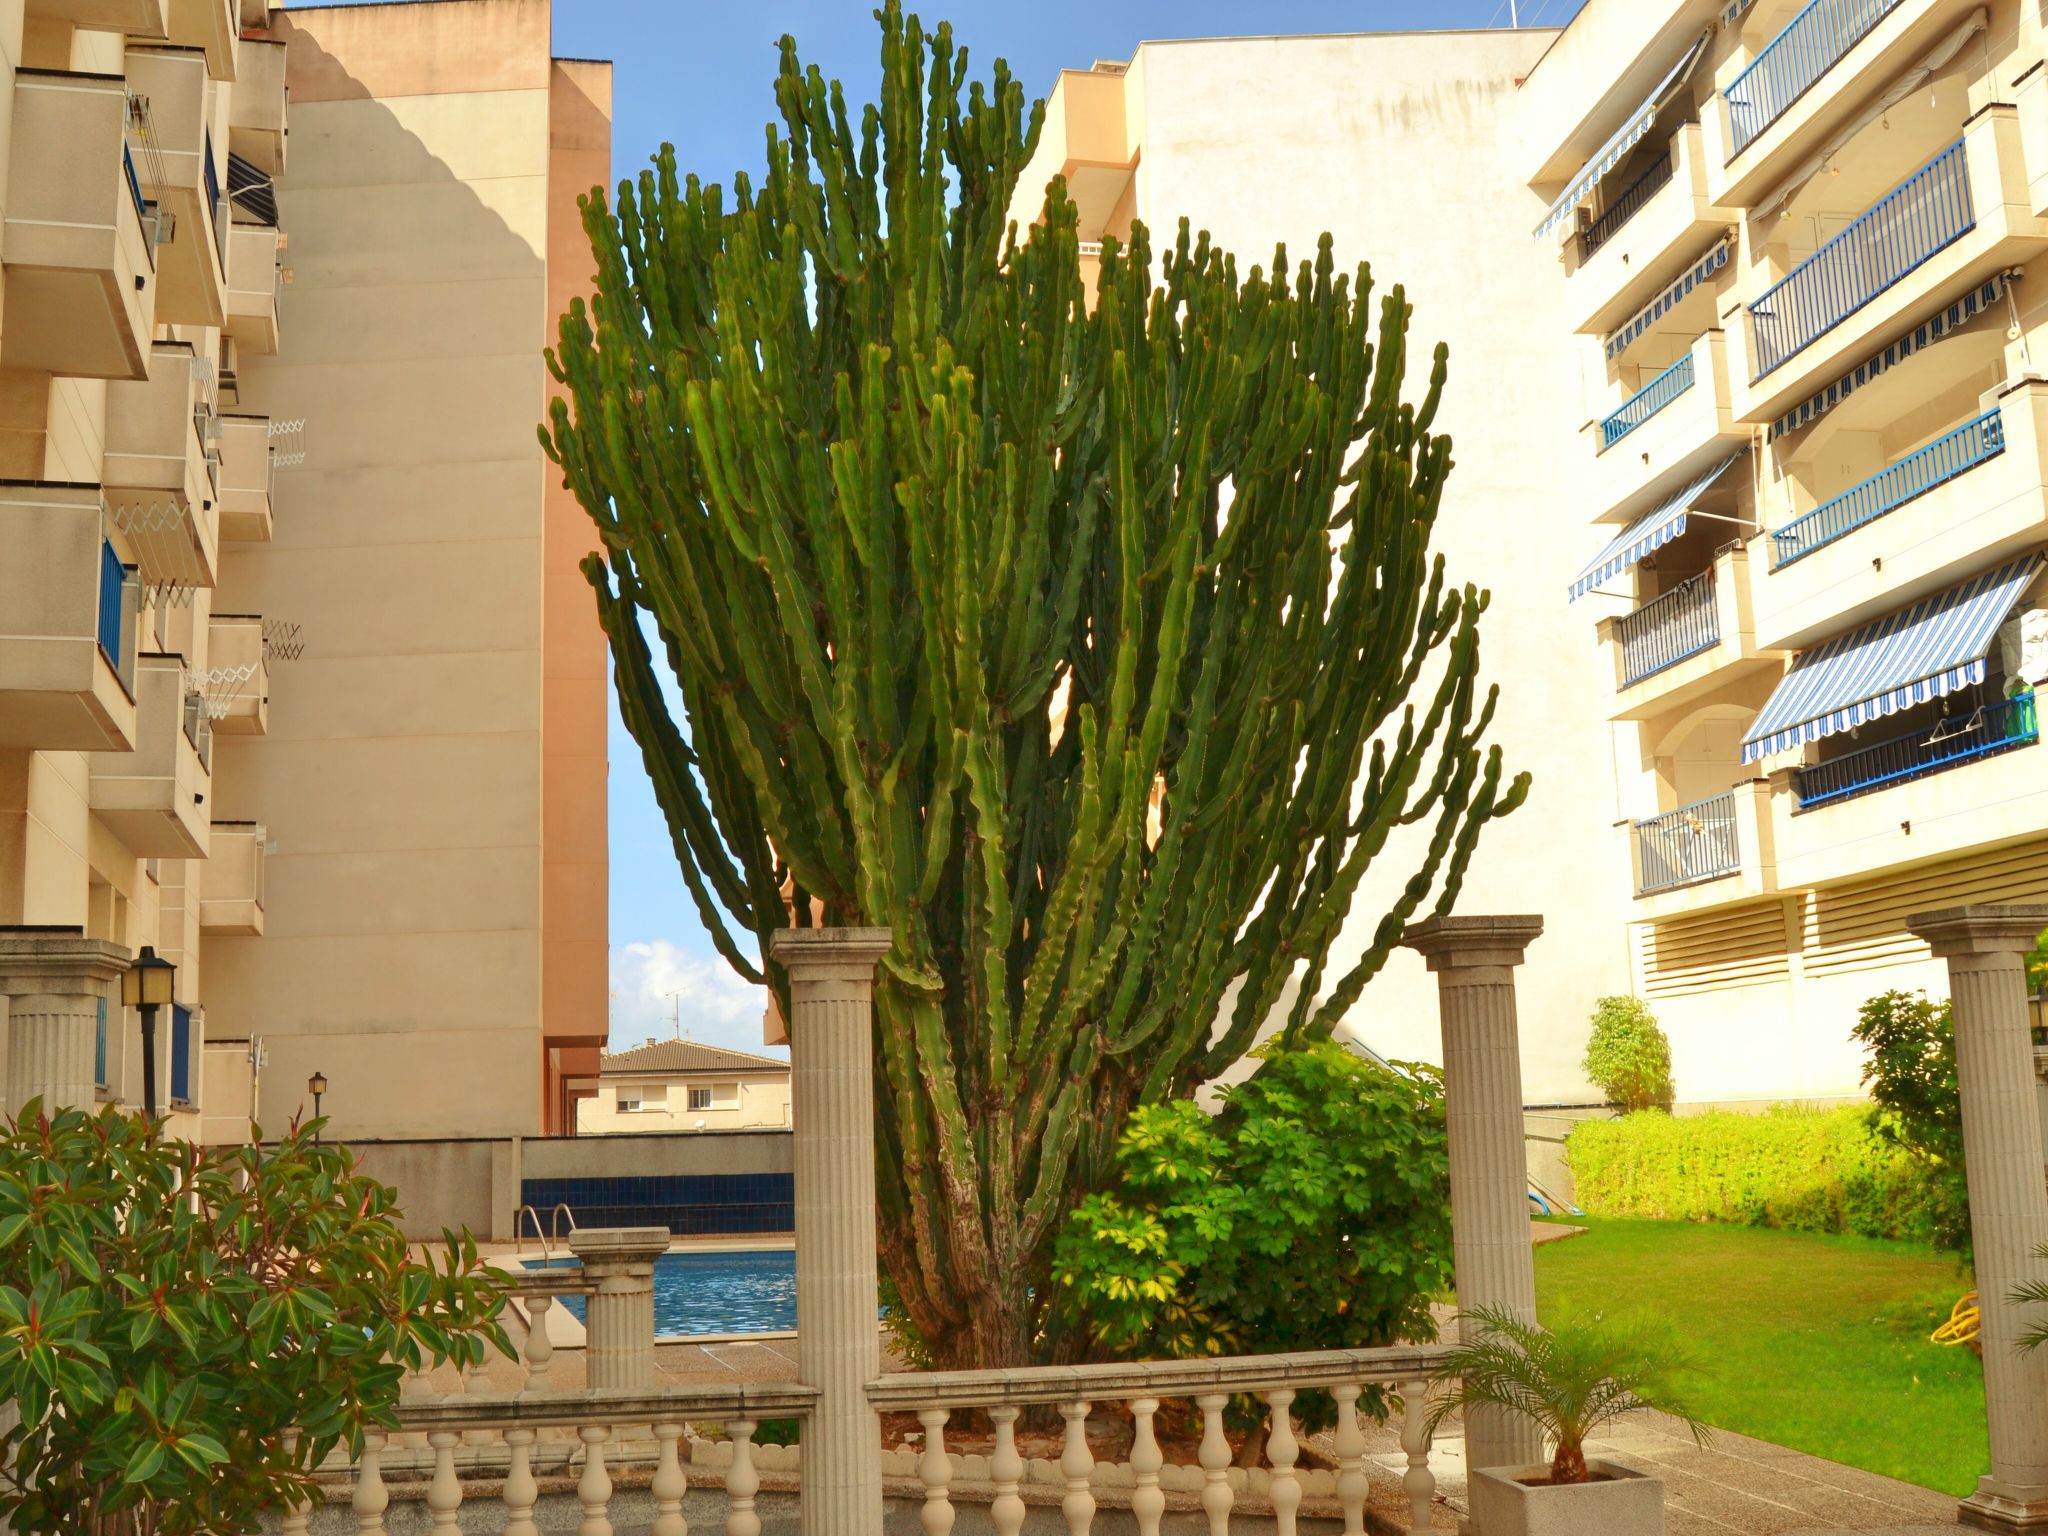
(1818,1343)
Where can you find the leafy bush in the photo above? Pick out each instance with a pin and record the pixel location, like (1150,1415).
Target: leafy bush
(169,1314)
(1312,1212)
(1804,1169)
(1911,1075)
(1628,1057)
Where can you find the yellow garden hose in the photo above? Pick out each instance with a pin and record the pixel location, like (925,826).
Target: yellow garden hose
(1961,1327)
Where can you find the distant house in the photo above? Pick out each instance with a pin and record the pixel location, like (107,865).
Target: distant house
(680,1085)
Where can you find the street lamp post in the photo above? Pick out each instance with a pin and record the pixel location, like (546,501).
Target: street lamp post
(317,1086)
(147,985)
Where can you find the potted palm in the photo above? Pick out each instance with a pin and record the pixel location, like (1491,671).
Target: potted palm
(1570,1381)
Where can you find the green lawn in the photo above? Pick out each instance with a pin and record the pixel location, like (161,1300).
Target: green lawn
(1819,1343)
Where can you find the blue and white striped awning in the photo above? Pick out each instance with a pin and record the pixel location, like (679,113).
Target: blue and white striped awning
(1650,531)
(1626,137)
(1932,648)
(1929,331)
(1668,300)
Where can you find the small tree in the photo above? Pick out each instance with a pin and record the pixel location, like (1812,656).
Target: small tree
(187,1332)
(1911,1075)
(1628,1057)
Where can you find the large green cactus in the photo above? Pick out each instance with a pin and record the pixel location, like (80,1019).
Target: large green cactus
(950,569)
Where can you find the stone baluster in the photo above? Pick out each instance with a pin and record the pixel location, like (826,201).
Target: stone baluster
(669,1484)
(292,1520)
(1351,1479)
(1217,1498)
(1282,1449)
(1078,1463)
(370,1495)
(540,1349)
(444,1493)
(619,1264)
(935,1469)
(1474,959)
(742,1482)
(474,1380)
(1418,1479)
(1148,1500)
(521,1491)
(594,1488)
(1006,1471)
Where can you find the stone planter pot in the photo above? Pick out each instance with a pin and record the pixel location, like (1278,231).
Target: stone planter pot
(1628,1503)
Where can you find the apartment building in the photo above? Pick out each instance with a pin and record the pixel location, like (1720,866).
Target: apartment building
(299,684)
(686,1085)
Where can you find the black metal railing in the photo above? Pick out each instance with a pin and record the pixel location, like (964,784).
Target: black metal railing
(1949,743)
(1667,629)
(1682,847)
(1627,204)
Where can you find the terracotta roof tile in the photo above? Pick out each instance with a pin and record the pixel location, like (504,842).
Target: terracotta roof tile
(675,1057)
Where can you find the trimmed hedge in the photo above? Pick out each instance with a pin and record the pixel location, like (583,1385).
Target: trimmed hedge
(1809,1170)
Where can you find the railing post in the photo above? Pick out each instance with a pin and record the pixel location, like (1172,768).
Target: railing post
(619,1264)
(831,993)
(1986,948)
(1474,959)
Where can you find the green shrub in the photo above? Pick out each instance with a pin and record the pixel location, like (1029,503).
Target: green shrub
(1808,1170)
(1911,1075)
(1627,1057)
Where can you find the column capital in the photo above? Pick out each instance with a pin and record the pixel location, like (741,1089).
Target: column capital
(618,1245)
(30,958)
(1462,943)
(829,954)
(1980,930)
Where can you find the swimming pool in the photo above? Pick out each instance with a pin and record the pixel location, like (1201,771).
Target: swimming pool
(748,1291)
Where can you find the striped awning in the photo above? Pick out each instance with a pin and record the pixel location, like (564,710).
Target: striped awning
(1652,530)
(1668,300)
(1932,648)
(1626,137)
(1929,331)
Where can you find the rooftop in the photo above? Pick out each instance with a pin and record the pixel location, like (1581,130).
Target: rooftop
(670,1057)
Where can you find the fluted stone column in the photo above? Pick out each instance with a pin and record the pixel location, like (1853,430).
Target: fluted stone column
(1474,959)
(54,980)
(1985,947)
(838,1347)
(620,1263)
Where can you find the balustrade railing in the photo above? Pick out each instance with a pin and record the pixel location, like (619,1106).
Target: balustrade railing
(1806,48)
(1647,402)
(1683,847)
(1950,743)
(1924,213)
(1919,472)
(1627,204)
(1668,628)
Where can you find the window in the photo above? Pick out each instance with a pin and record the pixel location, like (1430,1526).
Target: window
(181,1054)
(99,1047)
(642,1100)
(700,1098)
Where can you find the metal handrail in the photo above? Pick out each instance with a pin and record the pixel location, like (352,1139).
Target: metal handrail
(1647,402)
(1805,49)
(1627,204)
(1670,627)
(1969,445)
(1949,743)
(561,1209)
(1683,847)
(519,1241)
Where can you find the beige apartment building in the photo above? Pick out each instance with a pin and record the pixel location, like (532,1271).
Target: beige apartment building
(299,683)
(686,1085)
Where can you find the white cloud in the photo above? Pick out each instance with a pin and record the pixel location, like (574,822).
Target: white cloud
(655,983)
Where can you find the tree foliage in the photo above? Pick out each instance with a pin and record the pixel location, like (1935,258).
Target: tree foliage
(1628,1057)
(1096,650)
(188,1332)
(1911,1075)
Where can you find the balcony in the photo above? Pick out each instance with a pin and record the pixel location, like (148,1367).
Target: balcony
(80,279)
(67,623)
(237,680)
(1672,427)
(137,18)
(1713,852)
(256,114)
(160,475)
(231,893)
(1960,218)
(153,798)
(245,478)
(1661,215)
(1975,496)
(1681,643)
(175,158)
(210,26)
(1646,402)
(1955,740)
(251,294)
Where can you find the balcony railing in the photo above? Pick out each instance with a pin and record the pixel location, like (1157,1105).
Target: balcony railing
(216,207)
(1919,472)
(1628,204)
(1667,629)
(113,583)
(1927,211)
(1647,402)
(1683,847)
(199,728)
(1810,45)
(1983,732)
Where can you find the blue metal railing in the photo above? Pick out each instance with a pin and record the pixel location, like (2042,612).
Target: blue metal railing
(1667,629)
(1890,488)
(1930,209)
(1647,402)
(1807,47)
(1950,743)
(134,182)
(113,580)
(99,1045)
(1627,205)
(181,1054)
(1682,847)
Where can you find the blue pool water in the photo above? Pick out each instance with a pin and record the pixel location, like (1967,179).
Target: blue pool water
(744,1292)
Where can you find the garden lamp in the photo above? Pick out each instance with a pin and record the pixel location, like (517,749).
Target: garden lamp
(147,985)
(316,1085)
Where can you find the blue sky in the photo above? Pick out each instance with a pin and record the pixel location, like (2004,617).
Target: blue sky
(698,73)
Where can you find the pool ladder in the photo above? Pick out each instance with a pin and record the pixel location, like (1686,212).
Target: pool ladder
(556,1217)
